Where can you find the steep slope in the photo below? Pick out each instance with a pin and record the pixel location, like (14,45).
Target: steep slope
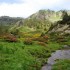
(62,26)
(43,19)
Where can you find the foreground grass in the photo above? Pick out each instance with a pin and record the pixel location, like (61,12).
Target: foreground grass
(18,56)
(62,65)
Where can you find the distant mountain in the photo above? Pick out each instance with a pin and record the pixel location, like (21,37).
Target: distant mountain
(7,22)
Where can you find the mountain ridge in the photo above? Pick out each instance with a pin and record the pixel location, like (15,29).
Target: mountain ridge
(41,20)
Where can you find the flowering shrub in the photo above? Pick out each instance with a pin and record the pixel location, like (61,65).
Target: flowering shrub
(36,35)
(45,37)
(41,39)
(42,43)
(10,38)
(28,41)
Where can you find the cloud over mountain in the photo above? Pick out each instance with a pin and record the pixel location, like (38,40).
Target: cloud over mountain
(24,8)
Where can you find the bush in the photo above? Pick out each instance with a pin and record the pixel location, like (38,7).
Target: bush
(36,35)
(28,41)
(42,43)
(10,38)
(62,40)
(45,37)
(41,39)
(60,37)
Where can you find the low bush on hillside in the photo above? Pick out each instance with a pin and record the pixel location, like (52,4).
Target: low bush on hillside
(46,37)
(28,41)
(41,39)
(42,44)
(61,39)
(10,38)
(36,35)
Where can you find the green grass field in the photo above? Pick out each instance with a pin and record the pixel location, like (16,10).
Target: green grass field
(18,56)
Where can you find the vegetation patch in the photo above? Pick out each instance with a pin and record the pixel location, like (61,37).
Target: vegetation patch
(62,65)
(17,55)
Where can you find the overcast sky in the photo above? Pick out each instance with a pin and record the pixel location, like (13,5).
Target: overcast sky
(24,8)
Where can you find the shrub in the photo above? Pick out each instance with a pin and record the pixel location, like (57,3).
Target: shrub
(36,35)
(28,41)
(41,39)
(62,40)
(42,34)
(45,37)
(60,37)
(10,38)
(42,43)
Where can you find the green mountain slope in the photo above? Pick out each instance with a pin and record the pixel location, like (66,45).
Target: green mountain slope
(43,19)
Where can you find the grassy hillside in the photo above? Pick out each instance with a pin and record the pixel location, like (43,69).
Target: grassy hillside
(44,19)
(26,44)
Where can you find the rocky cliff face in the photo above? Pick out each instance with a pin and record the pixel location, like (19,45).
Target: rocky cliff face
(62,26)
(45,19)
(47,15)
(62,29)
